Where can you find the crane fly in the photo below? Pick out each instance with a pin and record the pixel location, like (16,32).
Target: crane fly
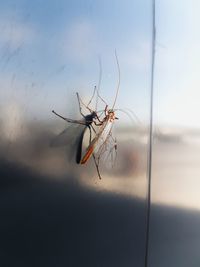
(99,143)
(102,134)
(77,129)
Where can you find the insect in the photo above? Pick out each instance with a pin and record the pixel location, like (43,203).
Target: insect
(79,131)
(103,140)
(100,142)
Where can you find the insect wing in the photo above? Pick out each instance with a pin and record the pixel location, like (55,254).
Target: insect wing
(69,138)
(110,155)
(103,136)
(106,147)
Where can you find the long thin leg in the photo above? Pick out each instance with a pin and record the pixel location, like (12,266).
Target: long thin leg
(93,130)
(98,124)
(101,99)
(97,166)
(79,104)
(105,110)
(80,109)
(69,120)
(94,91)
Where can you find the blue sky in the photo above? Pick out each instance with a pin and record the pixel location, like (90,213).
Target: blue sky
(49,50)
(177,79)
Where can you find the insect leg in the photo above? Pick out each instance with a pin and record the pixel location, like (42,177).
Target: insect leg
(87,107)
(97,166)
(93,130)
(101,99)
(79,104)
(98,124)
(69,120)
(94,91)
(105,110)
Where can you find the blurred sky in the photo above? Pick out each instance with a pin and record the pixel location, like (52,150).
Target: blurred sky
(50,50)
(177,79)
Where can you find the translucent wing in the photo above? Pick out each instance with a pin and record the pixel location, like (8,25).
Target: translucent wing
(106,148)
(109,156)
(71,138)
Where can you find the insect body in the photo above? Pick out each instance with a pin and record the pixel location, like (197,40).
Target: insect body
(86,123)
(99,145)
(89,119)
(75,133)
(102,136)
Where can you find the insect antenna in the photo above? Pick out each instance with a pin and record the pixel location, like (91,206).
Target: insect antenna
(119,80)
(133,117)
(99,85)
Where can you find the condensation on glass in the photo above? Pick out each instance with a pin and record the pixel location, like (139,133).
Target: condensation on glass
(55,212)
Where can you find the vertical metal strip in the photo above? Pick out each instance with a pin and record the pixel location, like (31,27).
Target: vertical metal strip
(150,135)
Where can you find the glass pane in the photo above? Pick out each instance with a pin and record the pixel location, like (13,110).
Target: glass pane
(56,212)
(175,234)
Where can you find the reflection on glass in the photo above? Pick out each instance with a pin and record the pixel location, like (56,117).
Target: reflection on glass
(175,167)
(48,53)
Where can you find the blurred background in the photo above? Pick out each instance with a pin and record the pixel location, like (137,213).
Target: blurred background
(175,217)
(57,213)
